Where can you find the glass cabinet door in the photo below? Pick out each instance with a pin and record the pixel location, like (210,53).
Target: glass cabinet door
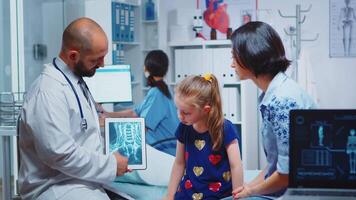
(42,26)
(5,50)
(8,67)
(5,61)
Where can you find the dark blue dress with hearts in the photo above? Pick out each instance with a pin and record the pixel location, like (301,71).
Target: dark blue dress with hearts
(207,174)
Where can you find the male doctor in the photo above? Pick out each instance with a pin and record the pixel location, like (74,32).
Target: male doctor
(61,147)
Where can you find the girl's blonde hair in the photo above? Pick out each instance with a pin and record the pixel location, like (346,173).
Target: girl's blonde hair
(199,92)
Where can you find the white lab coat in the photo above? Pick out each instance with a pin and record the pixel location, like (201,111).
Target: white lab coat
(57,157)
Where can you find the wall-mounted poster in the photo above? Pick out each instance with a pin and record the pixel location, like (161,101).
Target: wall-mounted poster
(342,28)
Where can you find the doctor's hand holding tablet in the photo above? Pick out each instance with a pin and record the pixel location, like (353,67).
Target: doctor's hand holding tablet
(122,164)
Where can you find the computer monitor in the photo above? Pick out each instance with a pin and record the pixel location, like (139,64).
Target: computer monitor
(111,84)
(322,148)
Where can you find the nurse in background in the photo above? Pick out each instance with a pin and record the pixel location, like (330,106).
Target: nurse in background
(158,107)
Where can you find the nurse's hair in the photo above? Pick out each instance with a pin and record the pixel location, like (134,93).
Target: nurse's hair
(156,63)
(258,47)
(201,91)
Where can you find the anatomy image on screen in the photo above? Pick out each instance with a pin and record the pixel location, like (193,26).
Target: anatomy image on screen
(126,138)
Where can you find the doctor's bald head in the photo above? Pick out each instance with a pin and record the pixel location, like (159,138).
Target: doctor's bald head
(80,34)
(84,46)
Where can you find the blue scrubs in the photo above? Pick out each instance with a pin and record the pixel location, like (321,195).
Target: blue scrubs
(161,120)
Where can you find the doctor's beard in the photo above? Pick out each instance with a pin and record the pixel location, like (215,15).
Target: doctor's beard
(81,71)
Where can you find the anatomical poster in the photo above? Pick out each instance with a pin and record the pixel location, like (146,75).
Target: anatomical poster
(342,28)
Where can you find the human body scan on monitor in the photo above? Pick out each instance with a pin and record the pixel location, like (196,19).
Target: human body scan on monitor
(127,136)
(323,148)
(111,84)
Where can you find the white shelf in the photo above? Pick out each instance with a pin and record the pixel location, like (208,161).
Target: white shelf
(134,83)
(237,84)
(8,131)
(145,88)
(151,49)
(126,43)
(130,2)
(172,83)
(149,21)
(200,43)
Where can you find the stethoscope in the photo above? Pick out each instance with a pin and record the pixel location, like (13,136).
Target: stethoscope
(83,123)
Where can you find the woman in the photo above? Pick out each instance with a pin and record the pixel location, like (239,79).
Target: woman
(259,55)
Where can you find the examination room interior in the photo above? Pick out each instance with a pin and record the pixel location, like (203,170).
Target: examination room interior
(323,54)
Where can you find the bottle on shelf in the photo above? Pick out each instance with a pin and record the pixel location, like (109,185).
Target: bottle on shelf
(246,17)
(228,33)
(150,10)
(213,34)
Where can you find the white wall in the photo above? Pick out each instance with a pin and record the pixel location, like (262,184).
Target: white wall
(335,77)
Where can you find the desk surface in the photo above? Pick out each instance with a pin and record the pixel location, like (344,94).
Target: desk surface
(8,131)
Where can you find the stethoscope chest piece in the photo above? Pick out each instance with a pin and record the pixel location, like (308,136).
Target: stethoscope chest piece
(84,124)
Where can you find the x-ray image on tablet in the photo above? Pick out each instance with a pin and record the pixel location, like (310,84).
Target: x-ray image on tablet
(127,136)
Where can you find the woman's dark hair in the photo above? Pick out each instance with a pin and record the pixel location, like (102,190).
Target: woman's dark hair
(156,63)
(258,47)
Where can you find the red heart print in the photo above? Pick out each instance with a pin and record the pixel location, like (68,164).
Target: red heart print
(214,159)
(214,186)
(188,184)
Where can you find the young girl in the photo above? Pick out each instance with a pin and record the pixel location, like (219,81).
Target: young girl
(258,54)
(207,163)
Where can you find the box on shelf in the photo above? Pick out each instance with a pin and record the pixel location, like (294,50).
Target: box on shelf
(181,33)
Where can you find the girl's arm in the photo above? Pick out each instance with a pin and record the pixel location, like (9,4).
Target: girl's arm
(233,153)
(177,171)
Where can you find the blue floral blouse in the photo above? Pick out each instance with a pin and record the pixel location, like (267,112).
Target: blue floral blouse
(282,95)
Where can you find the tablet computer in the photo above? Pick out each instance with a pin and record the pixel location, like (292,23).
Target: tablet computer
(127,136)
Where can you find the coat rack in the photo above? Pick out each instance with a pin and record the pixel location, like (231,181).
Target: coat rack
(297,31)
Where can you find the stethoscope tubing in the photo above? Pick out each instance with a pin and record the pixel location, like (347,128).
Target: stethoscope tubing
(83,120)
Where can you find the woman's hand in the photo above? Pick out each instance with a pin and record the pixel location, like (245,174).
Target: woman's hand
(241,192)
